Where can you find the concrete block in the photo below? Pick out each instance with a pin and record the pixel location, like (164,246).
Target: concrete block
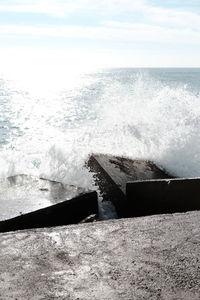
(163,196)
(154,257)
(29,202)
(112,174)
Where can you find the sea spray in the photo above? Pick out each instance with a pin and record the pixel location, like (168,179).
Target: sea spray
(142,114)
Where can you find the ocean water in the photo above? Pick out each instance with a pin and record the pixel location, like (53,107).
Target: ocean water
(49,125)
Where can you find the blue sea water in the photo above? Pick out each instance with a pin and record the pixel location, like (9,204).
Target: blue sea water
(49,126)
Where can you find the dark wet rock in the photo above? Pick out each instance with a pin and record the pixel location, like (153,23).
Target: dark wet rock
(112,174)
(154,257)
(163,196)
(29,202)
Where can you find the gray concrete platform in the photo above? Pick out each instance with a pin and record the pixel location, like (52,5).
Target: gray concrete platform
(30,202)
(155,257)
(150,197)
(112,174)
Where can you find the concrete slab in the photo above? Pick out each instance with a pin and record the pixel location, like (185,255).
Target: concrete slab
(163,196)
(29,202)
(154,257)
(112,174)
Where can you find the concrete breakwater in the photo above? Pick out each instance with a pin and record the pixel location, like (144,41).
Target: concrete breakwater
(140,188)
(31,202)
(112,174)
(135,187)
(139,257)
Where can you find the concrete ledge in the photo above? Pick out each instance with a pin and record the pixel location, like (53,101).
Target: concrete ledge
(31,202)
(163,196)
(112,174)
(154,257)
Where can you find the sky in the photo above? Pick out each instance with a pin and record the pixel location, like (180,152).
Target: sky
(75,34)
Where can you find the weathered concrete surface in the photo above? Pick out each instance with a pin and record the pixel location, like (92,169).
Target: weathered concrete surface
(29,202)
(154,257)
(113,173)
(163,195)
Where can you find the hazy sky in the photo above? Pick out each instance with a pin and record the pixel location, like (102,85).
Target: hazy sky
(100,33)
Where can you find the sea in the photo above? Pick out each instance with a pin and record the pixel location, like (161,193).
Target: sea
(51,123)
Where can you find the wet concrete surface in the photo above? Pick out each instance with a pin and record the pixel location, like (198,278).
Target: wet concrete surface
(154,257)
(29,202)
(121,169)
(163,196)
(112,174)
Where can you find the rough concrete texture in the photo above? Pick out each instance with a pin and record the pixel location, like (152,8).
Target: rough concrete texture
(163,196)
(29,202)
(112,174)
(154,257)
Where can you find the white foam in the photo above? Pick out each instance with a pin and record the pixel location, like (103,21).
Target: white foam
(139,118)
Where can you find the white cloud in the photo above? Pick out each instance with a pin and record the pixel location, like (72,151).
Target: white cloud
(108,9)
(57,8)
(172,17)
(140,21)
(109,31)
(62,8)
(156,16)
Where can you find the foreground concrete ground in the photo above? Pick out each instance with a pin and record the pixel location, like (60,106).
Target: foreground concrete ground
(154,257)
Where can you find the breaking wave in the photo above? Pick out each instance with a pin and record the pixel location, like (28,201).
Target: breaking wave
(122,112)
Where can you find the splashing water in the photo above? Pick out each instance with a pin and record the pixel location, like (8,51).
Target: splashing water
(147,114)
